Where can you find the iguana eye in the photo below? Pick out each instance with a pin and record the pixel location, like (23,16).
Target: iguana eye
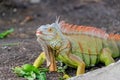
(50,30)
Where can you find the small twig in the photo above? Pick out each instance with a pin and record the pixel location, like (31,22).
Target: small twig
(28,18)
(11,44)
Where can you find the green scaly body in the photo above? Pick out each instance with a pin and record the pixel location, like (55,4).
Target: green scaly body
(89,48)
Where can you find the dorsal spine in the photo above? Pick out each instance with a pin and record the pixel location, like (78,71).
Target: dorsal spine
(87,30)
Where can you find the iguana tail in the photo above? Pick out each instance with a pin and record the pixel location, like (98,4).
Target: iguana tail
(116,38)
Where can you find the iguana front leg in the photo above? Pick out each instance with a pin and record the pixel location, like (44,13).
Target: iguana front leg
(40,60)
(106,56)
(80,64)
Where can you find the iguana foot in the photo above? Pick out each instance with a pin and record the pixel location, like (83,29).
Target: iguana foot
(106,56)
(65,76)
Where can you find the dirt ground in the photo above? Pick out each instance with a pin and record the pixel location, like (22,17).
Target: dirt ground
(104,14)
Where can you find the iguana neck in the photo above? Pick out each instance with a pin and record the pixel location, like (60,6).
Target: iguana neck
(58,43)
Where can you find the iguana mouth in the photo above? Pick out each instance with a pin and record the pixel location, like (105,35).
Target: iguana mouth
(38,32)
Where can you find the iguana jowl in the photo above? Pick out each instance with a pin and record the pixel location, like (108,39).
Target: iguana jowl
(76,46)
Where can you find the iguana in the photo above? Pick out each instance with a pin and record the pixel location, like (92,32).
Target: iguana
(76,46)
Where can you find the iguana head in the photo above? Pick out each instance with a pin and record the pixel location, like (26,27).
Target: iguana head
(49,32)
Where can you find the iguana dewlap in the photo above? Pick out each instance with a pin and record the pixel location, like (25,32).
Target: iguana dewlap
(76,46)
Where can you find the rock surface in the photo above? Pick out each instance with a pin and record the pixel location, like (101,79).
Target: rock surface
(111,72)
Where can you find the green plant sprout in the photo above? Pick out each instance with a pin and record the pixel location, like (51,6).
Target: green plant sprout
(5,33)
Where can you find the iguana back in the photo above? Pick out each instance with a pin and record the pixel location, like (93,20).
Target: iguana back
(87,42)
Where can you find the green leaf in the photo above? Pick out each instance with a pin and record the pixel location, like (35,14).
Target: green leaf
(33,75)
(29,68)
(19,72)
(41,76)
(30,72)
(43,69)
(61,69)
(5,33)
(29,78)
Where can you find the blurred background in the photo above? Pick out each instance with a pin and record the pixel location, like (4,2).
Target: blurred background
(24,16)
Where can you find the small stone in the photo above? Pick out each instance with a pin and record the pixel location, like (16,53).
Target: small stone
(22,35)
(3,14)
(15,10)
(35,1)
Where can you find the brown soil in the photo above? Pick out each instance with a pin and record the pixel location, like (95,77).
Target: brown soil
(104,14)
